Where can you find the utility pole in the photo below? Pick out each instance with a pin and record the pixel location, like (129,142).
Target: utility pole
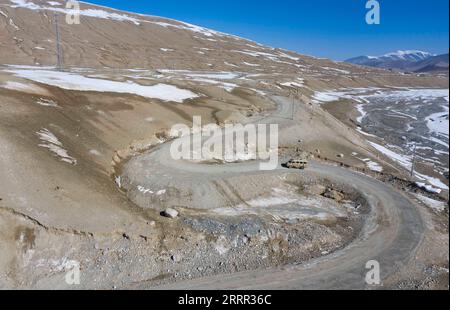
(413,160)
(294,93)
(59,55)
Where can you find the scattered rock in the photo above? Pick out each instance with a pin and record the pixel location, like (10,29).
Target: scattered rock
(340,155)
(317,189)
(175,258)
(333,194)
(170,213)
(245,239)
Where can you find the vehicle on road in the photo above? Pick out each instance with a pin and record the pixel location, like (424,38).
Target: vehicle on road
(297,163)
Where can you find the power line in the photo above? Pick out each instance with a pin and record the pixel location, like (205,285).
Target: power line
(294,92)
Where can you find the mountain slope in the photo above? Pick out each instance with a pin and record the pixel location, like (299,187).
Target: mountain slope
(434,64)
(115,39)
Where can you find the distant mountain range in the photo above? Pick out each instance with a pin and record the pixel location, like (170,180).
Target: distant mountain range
(410,61)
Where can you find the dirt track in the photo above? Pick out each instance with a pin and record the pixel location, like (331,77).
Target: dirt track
(391,234)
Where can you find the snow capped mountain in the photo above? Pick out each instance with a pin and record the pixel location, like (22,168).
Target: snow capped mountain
(407,55)
(399,60)
(398,55)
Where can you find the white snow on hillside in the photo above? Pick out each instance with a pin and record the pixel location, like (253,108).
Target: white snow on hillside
(376,167)
(213,75)
(207,77)
(359,94)
(433,204)
(112,14)
(406,162)
(251,64)
(51,142)
(362,112)
(298,84)
(356,94)
(47,103)
(87,12)
(73,81)
(438,122)
(403,160)
(269,56)
(413,94)
(428,188)
(336,70)
(16,86)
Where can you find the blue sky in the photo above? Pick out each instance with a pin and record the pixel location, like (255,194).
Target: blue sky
(325,28)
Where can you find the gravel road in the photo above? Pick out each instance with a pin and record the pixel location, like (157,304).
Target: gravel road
(391,234)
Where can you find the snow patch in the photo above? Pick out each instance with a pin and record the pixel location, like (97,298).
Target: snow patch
(433,204)
(363,114)
(97,13)
(47,103)
(230,64)
(95,153)
(293,84)
(72,81)
(438,123)
(406,162)
(27,88)
(403,160)
(51,142)
(376,167)
(251,64)
(429,188)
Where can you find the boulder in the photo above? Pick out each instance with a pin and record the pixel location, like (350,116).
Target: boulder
(317,189)
(170,213)
(333,194)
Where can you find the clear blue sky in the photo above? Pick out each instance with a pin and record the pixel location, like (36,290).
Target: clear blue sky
(326,28)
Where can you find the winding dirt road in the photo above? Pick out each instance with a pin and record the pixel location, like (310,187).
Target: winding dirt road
(391,234)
